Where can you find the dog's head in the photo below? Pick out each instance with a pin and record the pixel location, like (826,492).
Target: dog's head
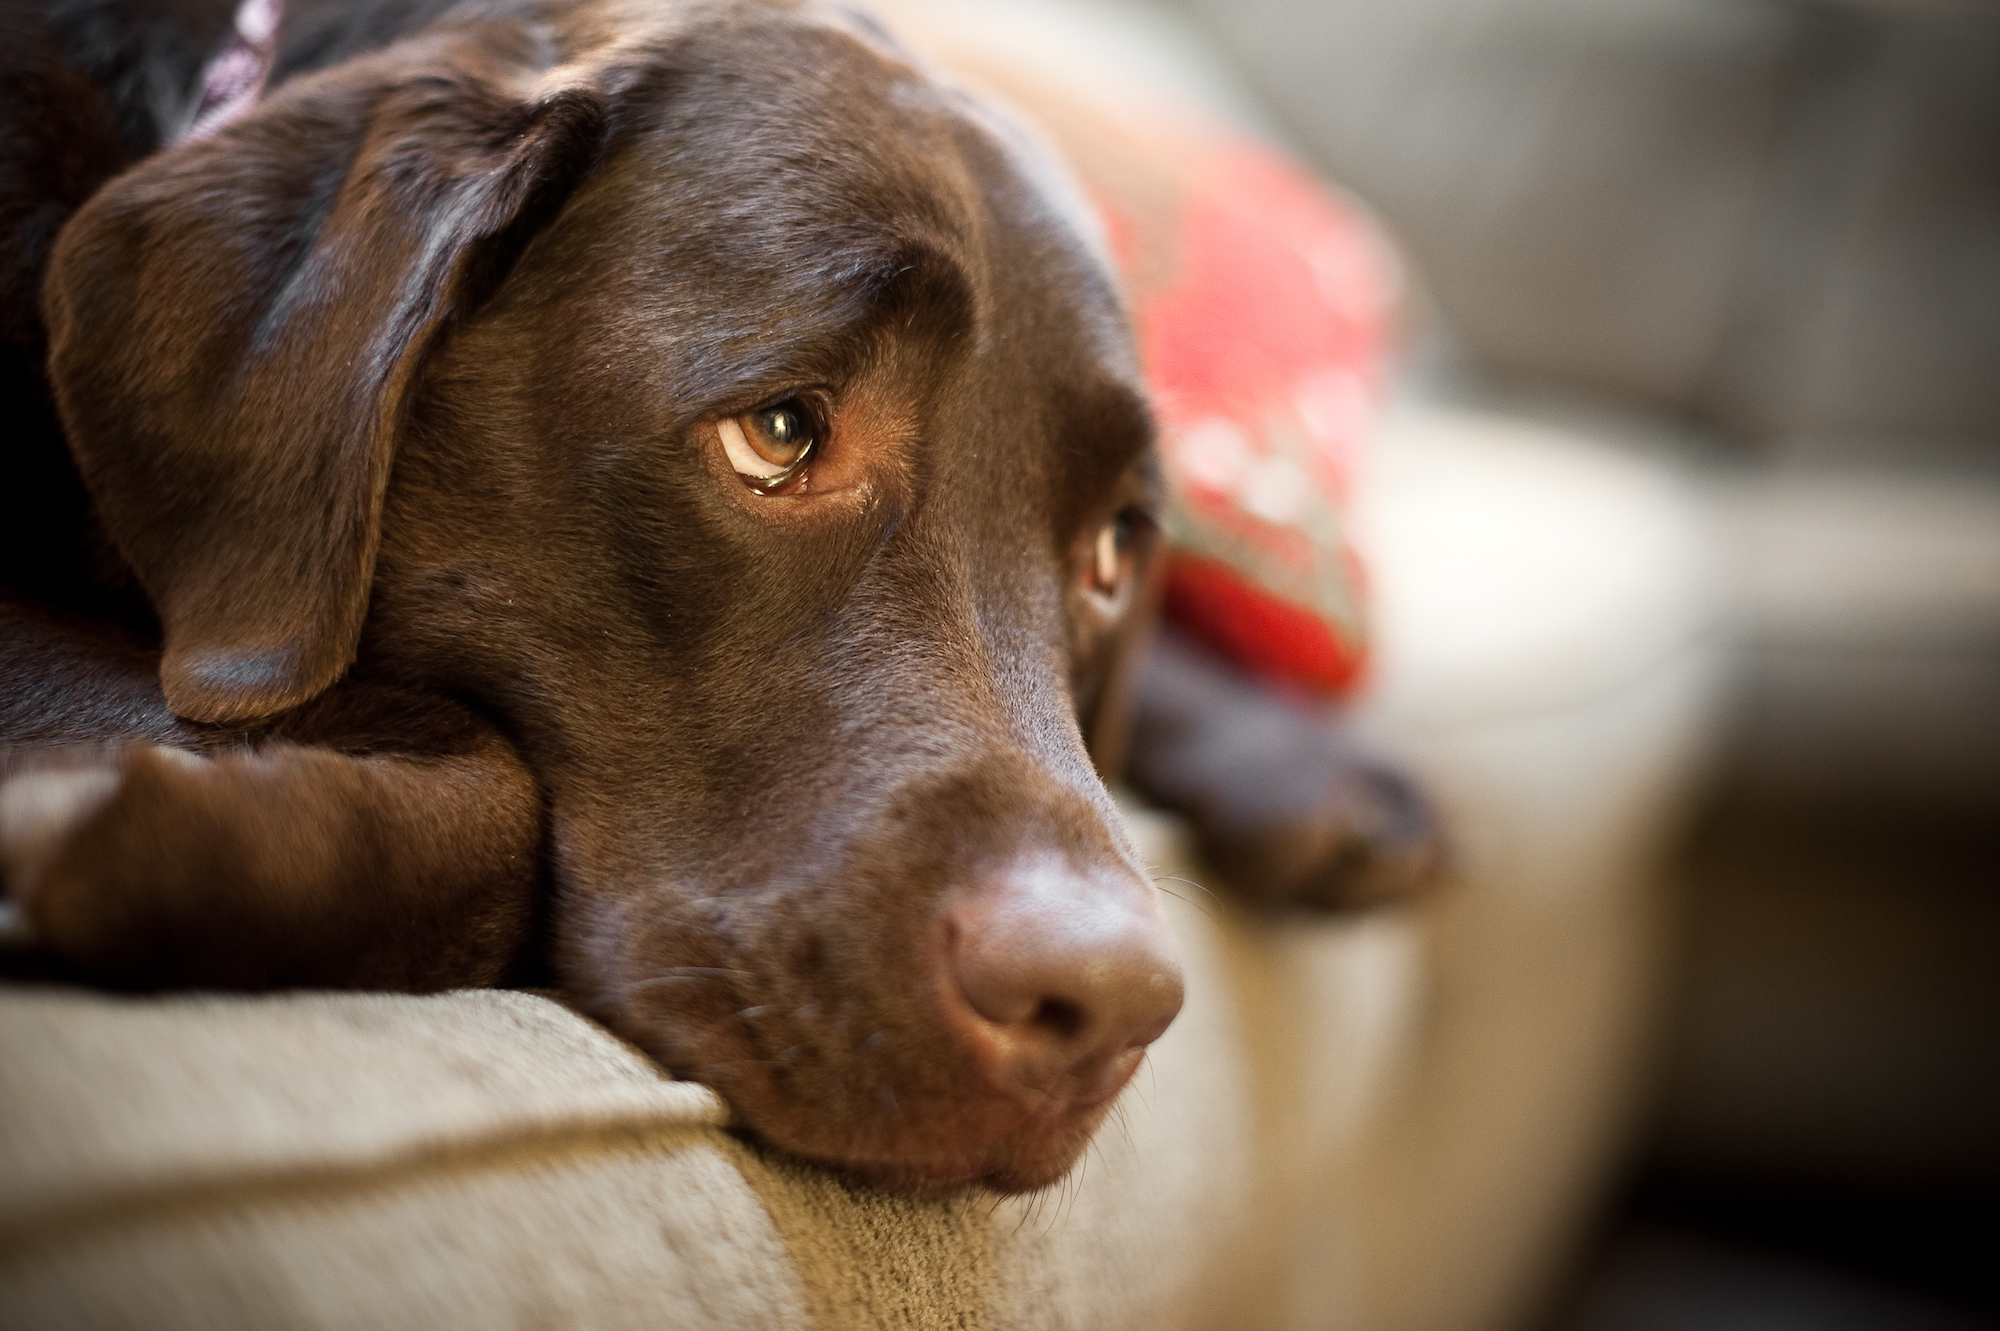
(746,422)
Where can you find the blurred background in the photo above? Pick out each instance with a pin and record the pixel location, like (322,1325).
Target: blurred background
(1728,271)
(1761,239)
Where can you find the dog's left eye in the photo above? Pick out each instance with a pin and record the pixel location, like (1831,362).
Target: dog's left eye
(769,447)
(1114,551)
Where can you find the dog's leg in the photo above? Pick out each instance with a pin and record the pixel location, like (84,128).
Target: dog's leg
(1284,801)
(287,865)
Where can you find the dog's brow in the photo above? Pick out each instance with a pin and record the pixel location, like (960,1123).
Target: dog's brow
(903,290)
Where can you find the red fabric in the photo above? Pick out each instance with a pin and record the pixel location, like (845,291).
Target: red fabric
(1262,306)
(1212,601)
(1278,307)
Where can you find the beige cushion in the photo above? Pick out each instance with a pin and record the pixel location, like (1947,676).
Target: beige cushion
(484,1159)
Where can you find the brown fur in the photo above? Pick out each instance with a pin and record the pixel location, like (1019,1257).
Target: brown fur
(392,396)
(460,643)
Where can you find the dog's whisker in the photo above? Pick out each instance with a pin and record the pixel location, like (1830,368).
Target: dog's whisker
(1027,1209)
(709,975)
(1123,1124)
(1176,878)
(685,973)
(1073,1186)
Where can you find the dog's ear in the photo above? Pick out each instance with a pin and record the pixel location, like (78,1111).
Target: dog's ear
(236,323)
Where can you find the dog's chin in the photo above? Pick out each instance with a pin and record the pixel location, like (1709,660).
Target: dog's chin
(922,1184)
(1035,1155)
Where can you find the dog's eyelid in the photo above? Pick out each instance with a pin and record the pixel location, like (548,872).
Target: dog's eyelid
(1147,510)
(816,400)
(1140,496)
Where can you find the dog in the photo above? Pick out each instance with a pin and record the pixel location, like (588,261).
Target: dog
(651,497)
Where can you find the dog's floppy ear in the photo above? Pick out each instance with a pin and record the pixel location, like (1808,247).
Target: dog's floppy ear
(235,326)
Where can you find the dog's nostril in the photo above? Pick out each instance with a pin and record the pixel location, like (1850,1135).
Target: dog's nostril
(1065,1019)
(1065,975)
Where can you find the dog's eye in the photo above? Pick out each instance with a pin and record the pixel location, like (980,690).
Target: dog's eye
(1114,552)
(769,447)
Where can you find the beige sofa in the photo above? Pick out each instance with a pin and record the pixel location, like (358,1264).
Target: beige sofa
(1387,1121)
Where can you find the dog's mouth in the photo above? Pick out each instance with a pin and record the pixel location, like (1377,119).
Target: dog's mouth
(979,1049)
(951,1128)
(927,1012)
(979,1141)
(1036,1156)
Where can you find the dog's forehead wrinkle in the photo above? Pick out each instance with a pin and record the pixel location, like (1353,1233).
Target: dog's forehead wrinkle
(783,324)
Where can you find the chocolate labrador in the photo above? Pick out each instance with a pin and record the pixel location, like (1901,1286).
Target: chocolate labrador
(662,488)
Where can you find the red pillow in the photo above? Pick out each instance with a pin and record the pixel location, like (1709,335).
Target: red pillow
(1262,304)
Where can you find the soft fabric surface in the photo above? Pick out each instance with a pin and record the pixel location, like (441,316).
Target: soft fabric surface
(487,1159)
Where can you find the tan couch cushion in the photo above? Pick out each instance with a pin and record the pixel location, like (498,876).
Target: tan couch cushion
(486,1159)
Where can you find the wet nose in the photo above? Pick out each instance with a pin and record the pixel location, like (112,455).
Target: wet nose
(1066,976)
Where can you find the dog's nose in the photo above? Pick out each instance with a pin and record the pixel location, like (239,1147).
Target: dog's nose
(1068,977)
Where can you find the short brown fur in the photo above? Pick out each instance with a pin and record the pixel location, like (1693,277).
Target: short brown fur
(428,632)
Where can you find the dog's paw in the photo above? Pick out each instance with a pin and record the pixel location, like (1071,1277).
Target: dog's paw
(41,811)
(1340,828)
(65,843)
(1285,802)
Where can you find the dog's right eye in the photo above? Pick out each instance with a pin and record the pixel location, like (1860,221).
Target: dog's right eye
(769,447)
